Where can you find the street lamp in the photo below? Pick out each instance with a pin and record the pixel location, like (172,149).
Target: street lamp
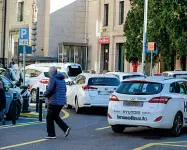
(144,36)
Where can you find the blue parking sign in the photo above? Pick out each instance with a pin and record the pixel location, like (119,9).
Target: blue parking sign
(24,36)
(24,33)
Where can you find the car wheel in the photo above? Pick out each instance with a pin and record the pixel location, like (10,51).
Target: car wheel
(118,128)
(67,106)
(77,108)
(177,125)
(33,96)
(11,113)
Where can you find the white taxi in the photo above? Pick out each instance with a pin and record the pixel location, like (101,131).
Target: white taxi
(156,102)
(91,90)
(176,74)
(126,75)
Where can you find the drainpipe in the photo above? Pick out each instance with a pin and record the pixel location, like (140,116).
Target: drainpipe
(3,35)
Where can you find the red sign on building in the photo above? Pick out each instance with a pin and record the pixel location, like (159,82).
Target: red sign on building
(104,40)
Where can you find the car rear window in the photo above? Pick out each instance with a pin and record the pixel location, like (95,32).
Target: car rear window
(139,88)
(47,75)
(131,76)
(103,81)
(74,70)
(183,76)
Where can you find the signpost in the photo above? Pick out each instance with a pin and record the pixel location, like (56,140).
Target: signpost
(24,41)
(152,48)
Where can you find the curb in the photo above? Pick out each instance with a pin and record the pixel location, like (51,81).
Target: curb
(30,115)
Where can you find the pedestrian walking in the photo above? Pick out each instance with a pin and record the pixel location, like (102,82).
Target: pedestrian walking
(2,101)
(56,99)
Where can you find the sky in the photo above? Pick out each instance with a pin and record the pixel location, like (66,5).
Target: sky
(57,4)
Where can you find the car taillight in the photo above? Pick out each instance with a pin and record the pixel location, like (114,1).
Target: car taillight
(161,99)
(114,98)
(44,81)
(158,119)
(89,88)
(109,116)
(30,87)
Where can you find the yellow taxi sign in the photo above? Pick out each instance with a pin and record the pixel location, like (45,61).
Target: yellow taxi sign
(151,46)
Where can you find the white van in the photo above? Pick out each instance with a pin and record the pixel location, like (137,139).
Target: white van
(71,69)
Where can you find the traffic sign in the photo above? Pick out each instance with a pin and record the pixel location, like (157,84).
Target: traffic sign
(148,51)
(23,42)
(24,36)
(151,46)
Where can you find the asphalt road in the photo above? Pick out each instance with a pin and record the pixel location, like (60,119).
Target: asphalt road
(89,132)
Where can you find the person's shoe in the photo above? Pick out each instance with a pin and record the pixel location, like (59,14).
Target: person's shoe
(49,137)
(67,132)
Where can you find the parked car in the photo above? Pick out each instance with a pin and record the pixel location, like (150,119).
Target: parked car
(175,74)
(91,90)
(126,75)
(156,102)
(71,69)
(39,77)
(11,88)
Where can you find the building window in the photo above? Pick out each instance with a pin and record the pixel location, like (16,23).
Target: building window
(20,11)
(106,10)
(121,12)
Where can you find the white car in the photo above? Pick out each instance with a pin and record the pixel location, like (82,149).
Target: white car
(39,77)
(71,69)
(126,75)
(156,102)
(176,74)
(91,90)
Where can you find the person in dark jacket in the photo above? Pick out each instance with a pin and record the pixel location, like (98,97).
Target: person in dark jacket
(2,100)
(56,99)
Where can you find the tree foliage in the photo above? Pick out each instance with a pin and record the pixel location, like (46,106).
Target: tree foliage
(167,26)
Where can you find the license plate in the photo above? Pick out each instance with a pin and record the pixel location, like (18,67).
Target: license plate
(134,104)
(103,93)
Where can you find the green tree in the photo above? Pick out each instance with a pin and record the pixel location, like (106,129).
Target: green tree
(133,32)
(167,26)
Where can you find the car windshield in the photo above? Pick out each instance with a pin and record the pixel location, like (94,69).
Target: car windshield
(103,81)
(132,76)
(139,88)
(47,75)
(74,70)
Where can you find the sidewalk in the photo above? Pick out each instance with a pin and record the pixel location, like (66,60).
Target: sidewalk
(33,113)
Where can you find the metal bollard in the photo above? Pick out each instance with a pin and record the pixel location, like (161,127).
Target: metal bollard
(40,106)
(25,108)
(14,102)
(37,99)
